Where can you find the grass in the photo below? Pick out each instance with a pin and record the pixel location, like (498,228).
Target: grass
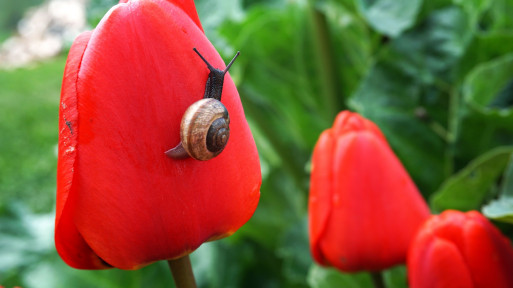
(29,102)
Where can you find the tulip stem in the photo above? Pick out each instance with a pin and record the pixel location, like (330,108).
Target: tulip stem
(330,90)
(377,278)
(181,269)
(455,116)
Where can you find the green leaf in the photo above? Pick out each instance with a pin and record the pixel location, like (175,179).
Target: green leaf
(296,262)
(489,90)
(474,8)
(54,273)
(507,180)
(429,6)
(213,263)
(484,47)
(212,14)
(24,237)
(319,277)
(396,277)
(281,206)
(430,50)
(488,95)
(498,17)
(390,17)
(502,208)
(29,258)
(351,45)
(470,187)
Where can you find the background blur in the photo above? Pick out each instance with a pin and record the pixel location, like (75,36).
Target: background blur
(435,75)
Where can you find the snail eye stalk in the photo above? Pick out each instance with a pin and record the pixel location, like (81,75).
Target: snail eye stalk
(215,81)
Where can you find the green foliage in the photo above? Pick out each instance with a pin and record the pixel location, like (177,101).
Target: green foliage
(390,17)
(319,277)
(488,89)
(435,76)
(29,99)
(29,258)
(468,189)
(96,9)
(502,208)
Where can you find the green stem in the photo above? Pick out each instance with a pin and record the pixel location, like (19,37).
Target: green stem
(326,67)
(182,272)
(377,279)
(453,127)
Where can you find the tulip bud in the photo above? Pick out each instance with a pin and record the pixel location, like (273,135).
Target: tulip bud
(456,249)
(121,202)
(364,209)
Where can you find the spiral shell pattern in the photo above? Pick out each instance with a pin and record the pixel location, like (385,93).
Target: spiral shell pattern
(205,129)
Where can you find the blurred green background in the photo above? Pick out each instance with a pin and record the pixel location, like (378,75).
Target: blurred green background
(436,76)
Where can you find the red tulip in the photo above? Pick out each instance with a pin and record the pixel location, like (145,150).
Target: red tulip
(364,209)
(456,249)
(120,200)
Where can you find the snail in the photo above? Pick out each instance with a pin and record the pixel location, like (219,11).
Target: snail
(204,129)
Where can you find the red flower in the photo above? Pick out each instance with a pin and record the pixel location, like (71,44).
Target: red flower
(456,249)
(120,200)
(364,209)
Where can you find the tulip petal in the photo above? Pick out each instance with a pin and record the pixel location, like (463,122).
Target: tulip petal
(319,203)
(69,243)
(449,226)
(133,205)
(437,263)
(484,252)
(186,5)
(371,174)
(488,253)
(349,122)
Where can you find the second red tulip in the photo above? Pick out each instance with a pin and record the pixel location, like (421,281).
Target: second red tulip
(364,209)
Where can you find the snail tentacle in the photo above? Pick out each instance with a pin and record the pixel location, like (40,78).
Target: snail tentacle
(215,81)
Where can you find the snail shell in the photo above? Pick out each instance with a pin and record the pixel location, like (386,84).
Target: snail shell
(204,129)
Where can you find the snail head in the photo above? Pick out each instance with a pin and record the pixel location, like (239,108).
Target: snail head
(214,86)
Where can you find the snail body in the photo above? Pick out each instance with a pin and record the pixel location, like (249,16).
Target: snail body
(204,129)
